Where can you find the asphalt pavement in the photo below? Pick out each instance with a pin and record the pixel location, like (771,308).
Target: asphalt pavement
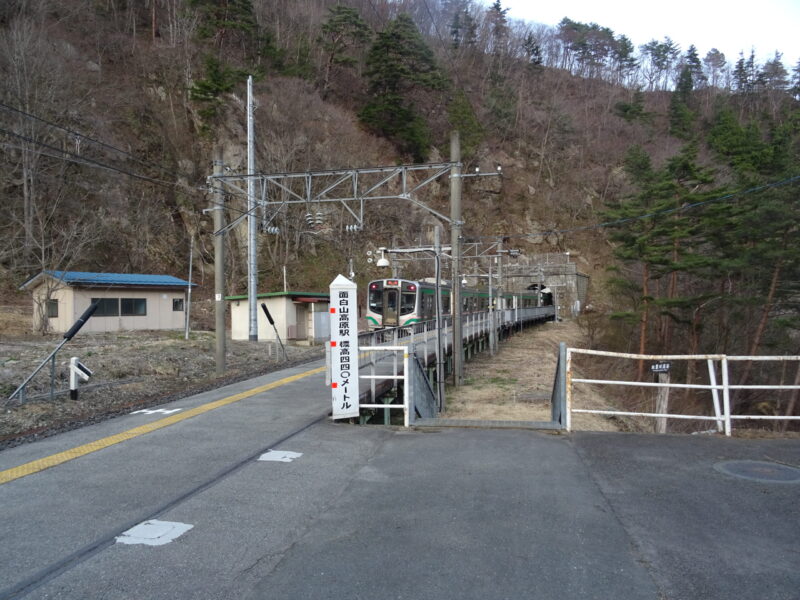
(267,498)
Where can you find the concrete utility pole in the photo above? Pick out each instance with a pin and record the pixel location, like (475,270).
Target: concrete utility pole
(455,244)
(437,249)
(252,247)
(219,267)
(493,297)
(188,312)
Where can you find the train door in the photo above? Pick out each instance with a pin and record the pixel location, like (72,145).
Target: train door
(391,302)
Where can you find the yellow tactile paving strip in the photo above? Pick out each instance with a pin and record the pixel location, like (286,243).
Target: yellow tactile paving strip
(56,459)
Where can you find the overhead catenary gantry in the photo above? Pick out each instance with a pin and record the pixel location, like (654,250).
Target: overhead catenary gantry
(352,188)
(349,187)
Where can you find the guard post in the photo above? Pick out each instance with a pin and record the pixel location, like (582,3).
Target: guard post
(661,370)
(77,370)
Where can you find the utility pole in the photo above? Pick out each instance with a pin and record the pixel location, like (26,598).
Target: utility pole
(189,290)
(437,249)
(455,244)
(252,264)
(493,298)
(219,267)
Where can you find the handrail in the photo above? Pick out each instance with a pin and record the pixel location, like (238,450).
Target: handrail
(723,415)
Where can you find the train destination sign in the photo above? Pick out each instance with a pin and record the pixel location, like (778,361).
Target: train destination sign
(344,348)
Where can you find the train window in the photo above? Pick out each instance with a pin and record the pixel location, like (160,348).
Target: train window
(408,303)
(376,300)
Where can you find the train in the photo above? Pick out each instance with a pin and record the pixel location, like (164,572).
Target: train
(398,302)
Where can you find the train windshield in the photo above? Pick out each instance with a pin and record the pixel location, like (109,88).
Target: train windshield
(376,300)
(408,303)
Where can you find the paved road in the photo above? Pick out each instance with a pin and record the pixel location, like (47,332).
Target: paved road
(374,512)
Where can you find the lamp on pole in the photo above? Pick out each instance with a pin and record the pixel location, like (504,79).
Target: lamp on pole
(437,255)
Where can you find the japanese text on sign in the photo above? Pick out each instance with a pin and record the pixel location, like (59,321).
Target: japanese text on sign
(344,348)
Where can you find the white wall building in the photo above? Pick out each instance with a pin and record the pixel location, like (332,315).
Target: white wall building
(298,316)
(126,301)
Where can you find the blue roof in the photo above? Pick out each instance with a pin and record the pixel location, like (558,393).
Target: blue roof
(84,278)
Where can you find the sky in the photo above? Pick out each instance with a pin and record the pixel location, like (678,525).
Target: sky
(730,26)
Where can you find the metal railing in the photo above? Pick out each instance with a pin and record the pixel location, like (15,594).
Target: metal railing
(723,416)
(420,339)
(406,406)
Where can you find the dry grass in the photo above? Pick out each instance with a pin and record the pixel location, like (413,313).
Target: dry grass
(131,369)
(15,321)
(516,384)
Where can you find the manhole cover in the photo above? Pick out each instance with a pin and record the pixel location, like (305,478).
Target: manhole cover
(756,470)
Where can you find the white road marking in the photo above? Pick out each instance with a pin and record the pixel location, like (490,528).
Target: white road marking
(156,411)
(153,533)
(280,455)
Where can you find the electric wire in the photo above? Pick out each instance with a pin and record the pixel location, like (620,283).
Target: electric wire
(84,137)
(71,157)
(85,160)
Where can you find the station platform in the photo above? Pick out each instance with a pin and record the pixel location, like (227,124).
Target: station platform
(250,491)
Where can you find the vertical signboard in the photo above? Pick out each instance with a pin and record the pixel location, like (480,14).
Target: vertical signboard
(344,348)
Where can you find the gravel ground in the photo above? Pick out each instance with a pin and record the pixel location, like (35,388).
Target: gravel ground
(131,370)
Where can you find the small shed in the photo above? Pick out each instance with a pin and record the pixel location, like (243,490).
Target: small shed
(298,316)
(126,300)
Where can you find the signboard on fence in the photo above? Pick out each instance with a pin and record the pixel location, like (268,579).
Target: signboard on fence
(344,348)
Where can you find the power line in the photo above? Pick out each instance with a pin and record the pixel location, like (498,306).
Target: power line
(70,157)
(759,188)
(84,137)
(66,155)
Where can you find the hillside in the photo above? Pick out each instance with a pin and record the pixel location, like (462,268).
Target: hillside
(669,178)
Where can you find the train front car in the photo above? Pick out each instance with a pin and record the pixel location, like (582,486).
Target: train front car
(392,303)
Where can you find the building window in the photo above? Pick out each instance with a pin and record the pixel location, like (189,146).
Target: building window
(52,309)
(177,304)
(106,307)
(133,307)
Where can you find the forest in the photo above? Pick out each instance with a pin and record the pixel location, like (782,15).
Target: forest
(672,178)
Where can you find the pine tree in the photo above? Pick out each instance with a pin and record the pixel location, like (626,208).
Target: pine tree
(499,30)
(221,20)
(796,81)
(715,66)
(662,240)
(774,74)
(681,117)
(399,64)
(533,51)
(692,61)
(745,74)
(623,57)
(343,32)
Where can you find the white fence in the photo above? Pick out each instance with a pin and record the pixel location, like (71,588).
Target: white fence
(721,406)
(406,406)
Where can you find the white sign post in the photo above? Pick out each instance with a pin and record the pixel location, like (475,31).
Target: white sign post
(344,348)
